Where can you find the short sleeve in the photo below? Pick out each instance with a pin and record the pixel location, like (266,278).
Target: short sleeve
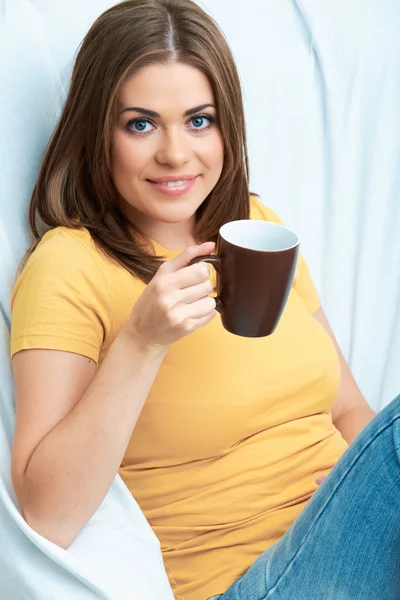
(302,282)
(61,299)
(304,286)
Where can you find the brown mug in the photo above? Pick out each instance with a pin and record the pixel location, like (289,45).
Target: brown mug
(255,264)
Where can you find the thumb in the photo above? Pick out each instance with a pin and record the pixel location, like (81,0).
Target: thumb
(183,259)
(320,479)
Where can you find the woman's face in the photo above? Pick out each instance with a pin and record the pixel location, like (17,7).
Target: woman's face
(167,149)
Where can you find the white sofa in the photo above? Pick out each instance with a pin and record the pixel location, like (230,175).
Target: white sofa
(325,89)
(117,555)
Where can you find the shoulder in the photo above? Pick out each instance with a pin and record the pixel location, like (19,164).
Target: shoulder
(66,245)
(72,251)
(61,300)
(258,211)
(64,258)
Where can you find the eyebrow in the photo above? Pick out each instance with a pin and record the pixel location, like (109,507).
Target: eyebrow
(154,115)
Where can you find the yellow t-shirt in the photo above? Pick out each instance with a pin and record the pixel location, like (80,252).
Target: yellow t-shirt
(234,431)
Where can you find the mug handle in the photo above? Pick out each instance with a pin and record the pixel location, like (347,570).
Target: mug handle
(215,261)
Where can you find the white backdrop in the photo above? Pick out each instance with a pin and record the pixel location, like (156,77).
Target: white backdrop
(322,94)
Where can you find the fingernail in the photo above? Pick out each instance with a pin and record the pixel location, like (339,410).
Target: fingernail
(320,479)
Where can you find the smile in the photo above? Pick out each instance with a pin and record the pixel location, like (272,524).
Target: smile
(173,186)
(174,183)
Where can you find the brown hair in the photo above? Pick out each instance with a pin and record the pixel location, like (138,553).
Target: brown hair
(74,186)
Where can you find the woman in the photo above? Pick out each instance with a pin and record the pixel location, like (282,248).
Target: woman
(121,365)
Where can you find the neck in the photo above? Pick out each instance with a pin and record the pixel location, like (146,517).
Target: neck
(171,236)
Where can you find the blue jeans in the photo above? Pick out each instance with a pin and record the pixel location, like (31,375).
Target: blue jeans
(345,545)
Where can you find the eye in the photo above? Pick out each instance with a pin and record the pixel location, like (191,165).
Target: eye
(139,126)
(201,122)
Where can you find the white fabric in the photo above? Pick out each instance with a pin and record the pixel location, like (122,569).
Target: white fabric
(322,95)
(116,556)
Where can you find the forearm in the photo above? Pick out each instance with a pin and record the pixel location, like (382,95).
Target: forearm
(351,422)
(73,467)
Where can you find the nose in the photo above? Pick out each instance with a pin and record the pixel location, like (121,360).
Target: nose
(174,149)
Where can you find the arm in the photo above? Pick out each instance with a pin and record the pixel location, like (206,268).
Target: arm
(350,413)
(72,428)
(73,424)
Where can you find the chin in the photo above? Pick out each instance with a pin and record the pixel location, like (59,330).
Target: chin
(174,217)
(174,212)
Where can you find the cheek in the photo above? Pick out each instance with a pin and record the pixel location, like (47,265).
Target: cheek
(126,157)
(215,153)
(219,155)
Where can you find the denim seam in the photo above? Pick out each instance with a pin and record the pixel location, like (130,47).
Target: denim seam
(323,508)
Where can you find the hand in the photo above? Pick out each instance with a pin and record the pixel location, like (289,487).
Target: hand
(320,479)
(176,302)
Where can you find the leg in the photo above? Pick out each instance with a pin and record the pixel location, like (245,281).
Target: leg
(345,545)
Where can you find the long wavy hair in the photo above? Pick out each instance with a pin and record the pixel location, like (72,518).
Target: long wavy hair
(74,187)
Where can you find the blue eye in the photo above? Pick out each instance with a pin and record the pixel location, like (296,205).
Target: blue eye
(201,122)
(139,126)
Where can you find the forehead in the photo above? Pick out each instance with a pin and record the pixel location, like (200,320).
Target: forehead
(163,88)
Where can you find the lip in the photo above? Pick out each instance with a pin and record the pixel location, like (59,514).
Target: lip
(169,178)
(173,191)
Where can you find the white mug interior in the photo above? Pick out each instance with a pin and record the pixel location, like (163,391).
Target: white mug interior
(259,235)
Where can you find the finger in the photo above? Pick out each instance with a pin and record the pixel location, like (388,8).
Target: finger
(181,297)
(198,309)
(197,323)
(183,259)
(190,294)
(320,479)
(189,276)
(201,308)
